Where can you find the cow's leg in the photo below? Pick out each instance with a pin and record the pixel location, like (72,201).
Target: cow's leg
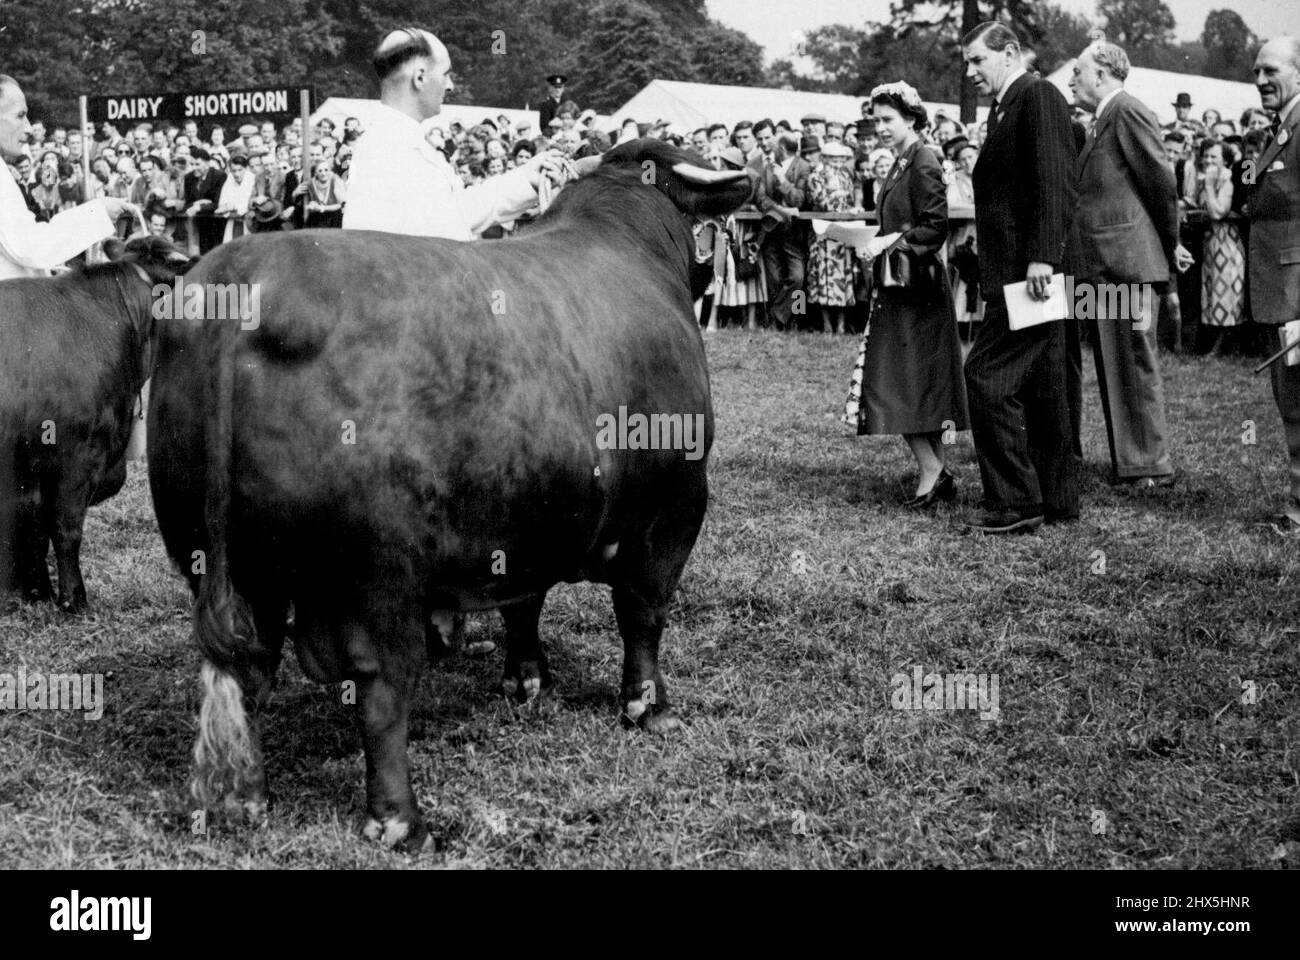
(32,544)
(69,498)
(526,673)
(647,571)
(385,680)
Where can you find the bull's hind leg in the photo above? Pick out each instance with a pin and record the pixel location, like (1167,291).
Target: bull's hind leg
(384,669)
(648,569)
(32,544)
(527,673)
(70,500)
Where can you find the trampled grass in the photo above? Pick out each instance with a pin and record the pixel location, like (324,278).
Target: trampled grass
(1123,739)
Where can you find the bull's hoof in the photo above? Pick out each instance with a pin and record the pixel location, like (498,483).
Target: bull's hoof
(398,835)
(652,718)
(527,682)
(74,606)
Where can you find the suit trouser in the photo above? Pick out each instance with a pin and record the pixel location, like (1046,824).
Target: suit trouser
(1132,396)
(784,249)
(1074,389)
(8,519)
(1286,391)
(1018,389)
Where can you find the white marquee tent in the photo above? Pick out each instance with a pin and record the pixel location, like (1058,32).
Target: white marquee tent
(1157,89)
(692,105)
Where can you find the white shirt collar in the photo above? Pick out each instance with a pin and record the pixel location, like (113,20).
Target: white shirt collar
(1105,100)
(1006,84)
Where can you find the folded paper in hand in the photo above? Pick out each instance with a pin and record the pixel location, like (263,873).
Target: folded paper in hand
(851,233)
(1024,311)
(1290,333)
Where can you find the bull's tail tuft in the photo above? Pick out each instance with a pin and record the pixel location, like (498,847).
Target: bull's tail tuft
(227,759)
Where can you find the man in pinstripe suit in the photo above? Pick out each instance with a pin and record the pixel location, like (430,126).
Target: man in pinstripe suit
(1017,381)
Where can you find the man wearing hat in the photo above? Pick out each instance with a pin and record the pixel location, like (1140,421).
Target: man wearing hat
(554,97)
(814,125)
(810,148)
(1183,109)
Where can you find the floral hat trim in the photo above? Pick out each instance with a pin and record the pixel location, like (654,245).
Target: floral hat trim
(903,91)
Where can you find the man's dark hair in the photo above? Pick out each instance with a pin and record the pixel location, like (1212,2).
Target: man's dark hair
(717,126)
(741,125)
(995,35)
(763,124)
(416,44)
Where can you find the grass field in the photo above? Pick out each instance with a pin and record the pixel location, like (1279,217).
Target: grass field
(1123,739)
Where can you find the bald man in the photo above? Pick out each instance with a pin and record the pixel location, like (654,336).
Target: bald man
(1272,263)
(29,248)
(400,183)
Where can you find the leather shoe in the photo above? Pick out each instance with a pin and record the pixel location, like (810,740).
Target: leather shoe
(1284,525)
(1006,521)
(944,488)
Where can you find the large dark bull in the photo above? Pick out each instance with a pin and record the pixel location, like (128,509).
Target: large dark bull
(74,352)
(412,432)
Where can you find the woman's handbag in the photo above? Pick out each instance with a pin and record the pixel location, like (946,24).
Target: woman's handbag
(904,269)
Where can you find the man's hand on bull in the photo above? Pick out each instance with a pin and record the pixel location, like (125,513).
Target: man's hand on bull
(549,164)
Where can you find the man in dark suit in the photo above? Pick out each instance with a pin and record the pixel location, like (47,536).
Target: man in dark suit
(1124,231)
(1273,256)
(782,186)
(1017,381)
(202,191)
(554,97)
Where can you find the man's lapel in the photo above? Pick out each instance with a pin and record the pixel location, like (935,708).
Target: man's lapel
(1283,137)
(1098,126)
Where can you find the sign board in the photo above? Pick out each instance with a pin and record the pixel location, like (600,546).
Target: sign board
(204,106)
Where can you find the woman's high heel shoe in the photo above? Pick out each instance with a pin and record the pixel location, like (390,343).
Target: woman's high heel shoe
(945,488)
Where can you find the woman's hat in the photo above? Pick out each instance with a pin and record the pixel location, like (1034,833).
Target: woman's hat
(835,150)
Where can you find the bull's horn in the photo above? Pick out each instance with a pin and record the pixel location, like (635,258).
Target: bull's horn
(586,165)
(689,171)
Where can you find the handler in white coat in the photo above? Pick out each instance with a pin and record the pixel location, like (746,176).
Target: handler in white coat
(29,248)
(399,182)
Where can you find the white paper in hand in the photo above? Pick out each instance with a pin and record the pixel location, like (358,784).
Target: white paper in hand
(1290,333)
(1023,311)
(851,233)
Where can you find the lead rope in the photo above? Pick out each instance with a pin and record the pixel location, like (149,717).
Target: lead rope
(548,189)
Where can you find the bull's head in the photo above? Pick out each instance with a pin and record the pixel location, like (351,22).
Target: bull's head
(157,259)
(695,189)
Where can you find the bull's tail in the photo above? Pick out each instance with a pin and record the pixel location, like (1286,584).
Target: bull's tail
(226,755)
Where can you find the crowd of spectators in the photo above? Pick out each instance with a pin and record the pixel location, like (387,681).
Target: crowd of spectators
(772,269)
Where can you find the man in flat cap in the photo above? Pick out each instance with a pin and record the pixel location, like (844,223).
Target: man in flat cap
(554,97)
(399,182)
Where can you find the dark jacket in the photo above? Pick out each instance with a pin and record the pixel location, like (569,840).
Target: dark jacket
(1024,185)
(1125,222)
(1273,255)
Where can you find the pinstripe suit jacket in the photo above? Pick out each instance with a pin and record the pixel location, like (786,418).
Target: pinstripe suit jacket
(1024,185)
(1273,260)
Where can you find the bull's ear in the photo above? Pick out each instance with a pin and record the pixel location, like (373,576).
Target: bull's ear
(703,175)
(114,249)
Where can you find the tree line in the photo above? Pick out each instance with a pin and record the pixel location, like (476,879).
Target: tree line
(502,49)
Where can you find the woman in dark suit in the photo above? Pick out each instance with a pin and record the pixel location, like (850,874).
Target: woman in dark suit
(908,379)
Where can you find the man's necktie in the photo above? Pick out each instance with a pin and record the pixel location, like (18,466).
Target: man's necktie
(993,117)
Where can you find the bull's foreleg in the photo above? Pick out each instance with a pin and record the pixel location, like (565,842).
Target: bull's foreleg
(70,501)
(644,695)
(527,673)
(385,685)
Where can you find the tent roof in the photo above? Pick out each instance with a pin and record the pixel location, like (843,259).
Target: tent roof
(1157,89)
(692,105)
